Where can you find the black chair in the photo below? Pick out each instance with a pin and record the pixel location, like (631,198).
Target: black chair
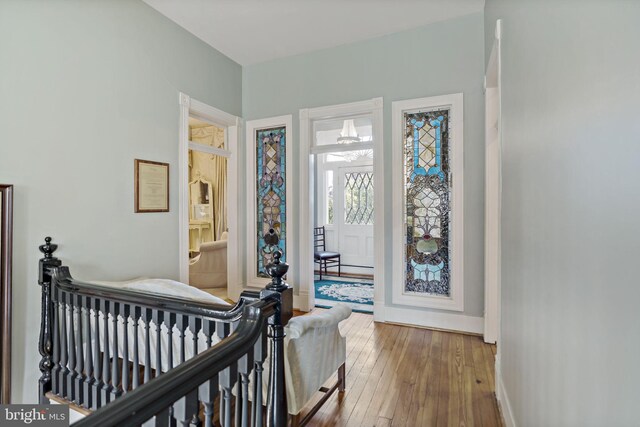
(321,255)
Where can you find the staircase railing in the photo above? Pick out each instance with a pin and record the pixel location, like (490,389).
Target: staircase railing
(96,344)
(175,394)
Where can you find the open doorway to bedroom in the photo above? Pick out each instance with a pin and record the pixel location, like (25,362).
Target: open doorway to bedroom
(343,234)
(208,194)
(207,206)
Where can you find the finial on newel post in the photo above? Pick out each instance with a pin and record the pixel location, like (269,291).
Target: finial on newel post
(46,318)
(277,413)
(277,270)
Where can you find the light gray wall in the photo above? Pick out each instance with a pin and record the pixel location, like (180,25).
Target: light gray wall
(86,87)
(441,58)
(571,203)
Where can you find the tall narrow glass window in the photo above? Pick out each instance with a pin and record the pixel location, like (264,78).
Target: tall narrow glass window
(329,196)
(427,195)
(271,195)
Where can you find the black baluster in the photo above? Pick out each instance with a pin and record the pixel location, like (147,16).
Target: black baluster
(97,360)
(88,357)
(64,349)
(277,397)
(223,330)
(225,407)
(45,344)
(182,323)
(107,388)
(146,318)
(195,324)
(195,421)
(208,328)
(169,322)
(185,409)
(207,393)
(115,380)
(163,419)
(72,349)
(191,399)
(260,355)
(55,356)
(79,380)
(158,318)
(125,310)
(242,399)
(135,382)
(228,378)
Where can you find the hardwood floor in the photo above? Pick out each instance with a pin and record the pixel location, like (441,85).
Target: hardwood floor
(403,376)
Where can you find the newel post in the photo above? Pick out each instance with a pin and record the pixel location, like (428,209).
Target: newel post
(46,317)
(277,413)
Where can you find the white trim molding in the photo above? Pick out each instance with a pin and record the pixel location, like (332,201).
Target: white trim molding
(307,203)
(455,302)
(251,257)
(493,194)
(432,319)
(190,107)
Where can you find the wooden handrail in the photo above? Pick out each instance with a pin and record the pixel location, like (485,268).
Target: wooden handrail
(151,398)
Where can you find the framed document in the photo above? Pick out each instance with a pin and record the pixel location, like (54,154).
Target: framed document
(151,193)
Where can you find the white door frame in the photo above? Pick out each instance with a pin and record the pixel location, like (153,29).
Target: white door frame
(307,203)
(190,107)
(493,192)
(252,126)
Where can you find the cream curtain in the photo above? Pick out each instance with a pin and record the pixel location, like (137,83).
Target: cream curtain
(212,168)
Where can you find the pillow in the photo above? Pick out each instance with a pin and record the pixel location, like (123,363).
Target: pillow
(164,287)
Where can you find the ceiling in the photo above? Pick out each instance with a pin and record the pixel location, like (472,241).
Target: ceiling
(253,31)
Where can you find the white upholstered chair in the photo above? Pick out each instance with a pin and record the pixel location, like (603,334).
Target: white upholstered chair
(209,268)
(314,351)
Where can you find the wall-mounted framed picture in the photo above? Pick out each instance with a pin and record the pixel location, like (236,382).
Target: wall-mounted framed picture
(6,240)
(151,186)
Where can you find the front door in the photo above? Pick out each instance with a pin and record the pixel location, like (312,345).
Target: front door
(354,217)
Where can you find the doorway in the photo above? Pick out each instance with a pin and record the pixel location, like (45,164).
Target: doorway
(207,205)
(345,196)
(343,216)
(207,173)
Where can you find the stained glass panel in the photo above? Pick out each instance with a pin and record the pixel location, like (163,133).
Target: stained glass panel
(270,195)
(427,195)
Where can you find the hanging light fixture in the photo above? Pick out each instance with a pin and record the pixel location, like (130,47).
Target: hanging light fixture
(348,134)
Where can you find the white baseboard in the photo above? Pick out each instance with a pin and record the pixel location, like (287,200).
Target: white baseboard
(503,398)
(429,319)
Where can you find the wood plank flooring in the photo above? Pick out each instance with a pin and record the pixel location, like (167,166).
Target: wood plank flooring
(403,376)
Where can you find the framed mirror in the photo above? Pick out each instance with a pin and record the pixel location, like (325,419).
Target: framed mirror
(6,239)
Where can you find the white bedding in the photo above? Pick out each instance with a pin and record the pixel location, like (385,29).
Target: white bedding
(157,287)
(164,287)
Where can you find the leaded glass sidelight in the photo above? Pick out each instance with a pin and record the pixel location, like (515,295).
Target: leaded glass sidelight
(271,195)
(427,194)
(358,198)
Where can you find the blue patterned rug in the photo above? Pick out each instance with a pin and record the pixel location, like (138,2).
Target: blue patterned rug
(357,295)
